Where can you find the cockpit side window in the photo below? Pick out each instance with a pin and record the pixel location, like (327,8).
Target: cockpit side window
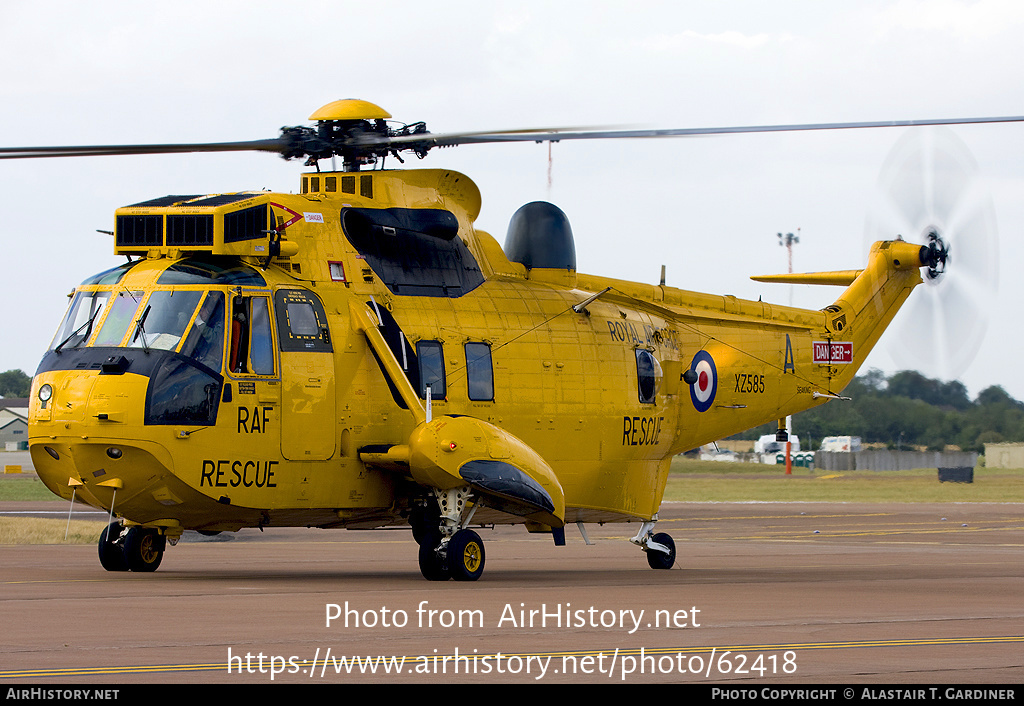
(261,354)
(252,343)
(205,342)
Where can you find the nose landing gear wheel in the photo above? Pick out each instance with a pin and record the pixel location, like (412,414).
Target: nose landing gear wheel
(112,555)
(466,556)
(143,549)
(659,560)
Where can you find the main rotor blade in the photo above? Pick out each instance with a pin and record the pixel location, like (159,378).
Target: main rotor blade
(462,138)
(274,145)
(306,142)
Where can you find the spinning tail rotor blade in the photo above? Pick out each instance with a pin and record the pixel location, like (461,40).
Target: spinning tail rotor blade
(929,184)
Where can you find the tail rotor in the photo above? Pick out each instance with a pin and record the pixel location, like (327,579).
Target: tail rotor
(930,192)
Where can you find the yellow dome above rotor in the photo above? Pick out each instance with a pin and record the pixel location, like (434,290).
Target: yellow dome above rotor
(350,109)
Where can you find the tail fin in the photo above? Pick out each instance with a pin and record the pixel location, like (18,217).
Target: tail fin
(872,297)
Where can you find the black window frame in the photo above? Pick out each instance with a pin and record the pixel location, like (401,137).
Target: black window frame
(288,340)
(423,356)
(240,359)
(646,379)
(474,371)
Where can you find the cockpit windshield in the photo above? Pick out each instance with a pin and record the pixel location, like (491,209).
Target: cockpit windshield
(164,319)
(85,311)
(160,321)
(120,317)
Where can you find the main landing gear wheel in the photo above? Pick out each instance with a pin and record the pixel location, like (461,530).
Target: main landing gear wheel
(424,522)
(660,560)
(433,565)
(112,555)
(466,556)
(143,549)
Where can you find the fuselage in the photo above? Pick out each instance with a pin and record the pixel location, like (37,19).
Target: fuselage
(265,353)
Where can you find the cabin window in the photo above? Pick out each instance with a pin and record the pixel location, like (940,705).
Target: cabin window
(431,360)
(648,375)
(479,372)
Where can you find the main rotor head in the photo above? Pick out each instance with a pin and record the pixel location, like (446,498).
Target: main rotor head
(355,130)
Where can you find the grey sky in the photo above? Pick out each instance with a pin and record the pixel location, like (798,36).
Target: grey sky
(708,208)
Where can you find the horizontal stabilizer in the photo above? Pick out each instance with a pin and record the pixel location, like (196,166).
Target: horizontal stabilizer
(842,278)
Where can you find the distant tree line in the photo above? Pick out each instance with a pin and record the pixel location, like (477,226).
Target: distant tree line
(905,410)
(909,409)
(14,383)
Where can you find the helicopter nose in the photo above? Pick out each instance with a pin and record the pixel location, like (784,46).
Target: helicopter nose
(79,438)
(61,398)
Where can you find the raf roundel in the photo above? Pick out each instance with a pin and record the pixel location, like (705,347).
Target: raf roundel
(702,392)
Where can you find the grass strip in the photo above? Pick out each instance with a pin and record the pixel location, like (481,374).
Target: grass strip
(689,481)
(24,487)
(711,481)
(32,530)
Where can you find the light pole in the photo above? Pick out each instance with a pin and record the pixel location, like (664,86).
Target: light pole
(788,241)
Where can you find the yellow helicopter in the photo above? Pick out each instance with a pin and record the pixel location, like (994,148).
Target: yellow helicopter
(360,355)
